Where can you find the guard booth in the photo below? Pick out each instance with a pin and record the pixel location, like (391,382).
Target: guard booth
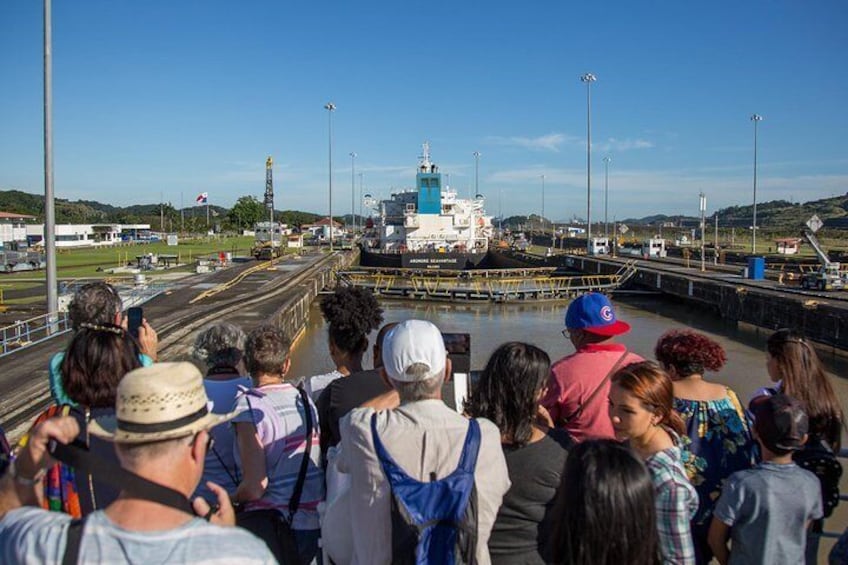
(599,246)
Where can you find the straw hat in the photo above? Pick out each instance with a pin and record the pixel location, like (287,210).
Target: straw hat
(159,402)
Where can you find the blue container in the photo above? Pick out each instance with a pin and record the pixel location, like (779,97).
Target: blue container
(756,268)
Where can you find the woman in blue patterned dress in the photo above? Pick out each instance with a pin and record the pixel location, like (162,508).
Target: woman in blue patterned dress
(718,438)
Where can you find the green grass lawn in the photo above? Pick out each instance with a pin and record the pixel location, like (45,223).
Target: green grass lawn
(93,262)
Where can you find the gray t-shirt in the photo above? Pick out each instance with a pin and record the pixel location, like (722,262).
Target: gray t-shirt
(36,536)
(767,508)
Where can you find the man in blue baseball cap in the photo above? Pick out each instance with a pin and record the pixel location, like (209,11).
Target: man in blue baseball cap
(577,391)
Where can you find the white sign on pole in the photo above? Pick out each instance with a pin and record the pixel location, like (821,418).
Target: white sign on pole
(623,229)
(815,223)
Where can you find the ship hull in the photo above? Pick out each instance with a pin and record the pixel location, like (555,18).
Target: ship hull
(438,261)
(423,261)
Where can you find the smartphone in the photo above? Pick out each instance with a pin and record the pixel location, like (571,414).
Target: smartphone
(135,316)
(456,389)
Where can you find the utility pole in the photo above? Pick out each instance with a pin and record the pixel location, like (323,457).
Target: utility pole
(476,173)
(330,107)
(703,207)
(361,227)
(49,206)
(716,239)
(588,78)
(353,192)
(756,118)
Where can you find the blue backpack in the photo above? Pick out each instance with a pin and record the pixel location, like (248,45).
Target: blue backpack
(436,521)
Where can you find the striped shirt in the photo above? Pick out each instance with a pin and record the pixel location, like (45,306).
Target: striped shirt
(278,414)
(676,503)
(35,536)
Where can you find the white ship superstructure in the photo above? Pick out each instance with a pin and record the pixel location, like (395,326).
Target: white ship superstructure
(431,218)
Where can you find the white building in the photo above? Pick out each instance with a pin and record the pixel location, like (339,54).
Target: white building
(86,235)
(13,229)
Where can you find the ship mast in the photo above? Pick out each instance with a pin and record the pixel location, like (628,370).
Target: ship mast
(424,164)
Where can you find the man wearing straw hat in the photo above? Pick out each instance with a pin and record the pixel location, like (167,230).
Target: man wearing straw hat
(160,432)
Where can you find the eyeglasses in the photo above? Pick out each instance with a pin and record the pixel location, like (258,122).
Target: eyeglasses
(566,333)
(210,441)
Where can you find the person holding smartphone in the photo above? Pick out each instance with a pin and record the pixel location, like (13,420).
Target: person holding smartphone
(99,303)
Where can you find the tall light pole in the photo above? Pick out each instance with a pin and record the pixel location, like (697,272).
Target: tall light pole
(588,78)
(330,107)
(607,160)
(500,213)
(542,220)
(702,206)
(360,200)
(49,206)
(476,172)
(353,191)
(756,118)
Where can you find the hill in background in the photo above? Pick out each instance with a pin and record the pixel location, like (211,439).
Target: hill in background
(777,215)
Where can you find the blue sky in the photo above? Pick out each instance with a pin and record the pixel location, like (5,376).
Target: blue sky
(180,97)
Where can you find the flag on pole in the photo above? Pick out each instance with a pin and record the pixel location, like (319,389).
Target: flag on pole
(202,198)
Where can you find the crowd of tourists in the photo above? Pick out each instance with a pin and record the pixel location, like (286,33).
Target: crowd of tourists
(601,457)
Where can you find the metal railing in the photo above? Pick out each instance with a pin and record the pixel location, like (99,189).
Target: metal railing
(26,333)
(843,454)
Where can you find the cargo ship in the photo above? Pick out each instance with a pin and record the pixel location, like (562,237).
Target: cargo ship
(428,227)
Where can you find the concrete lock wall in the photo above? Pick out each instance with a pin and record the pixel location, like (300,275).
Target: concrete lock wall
(818,320)
(294,313)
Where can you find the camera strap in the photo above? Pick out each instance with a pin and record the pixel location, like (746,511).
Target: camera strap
(118,477)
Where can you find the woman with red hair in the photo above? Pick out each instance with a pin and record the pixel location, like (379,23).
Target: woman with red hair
(640,408)
(718,439)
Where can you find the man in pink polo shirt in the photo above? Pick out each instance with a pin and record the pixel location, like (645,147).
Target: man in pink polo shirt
(577,391)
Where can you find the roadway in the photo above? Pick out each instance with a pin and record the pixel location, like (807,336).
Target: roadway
(24,377)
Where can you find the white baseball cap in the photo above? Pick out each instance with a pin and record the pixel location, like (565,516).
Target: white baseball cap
(410,343)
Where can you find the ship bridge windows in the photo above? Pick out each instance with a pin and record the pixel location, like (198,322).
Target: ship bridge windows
(430,182)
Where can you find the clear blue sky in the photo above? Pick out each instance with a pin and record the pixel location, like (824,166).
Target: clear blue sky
(180,96)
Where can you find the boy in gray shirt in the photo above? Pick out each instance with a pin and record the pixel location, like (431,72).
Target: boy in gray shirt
(766,510)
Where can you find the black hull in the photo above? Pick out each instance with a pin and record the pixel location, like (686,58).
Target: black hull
(437,261)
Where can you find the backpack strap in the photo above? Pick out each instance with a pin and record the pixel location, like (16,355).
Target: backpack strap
(73,539)
(294,501)
(598,388)
(85,461)
(234,475)
(468,459)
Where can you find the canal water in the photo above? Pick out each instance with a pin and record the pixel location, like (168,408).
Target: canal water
(541,324)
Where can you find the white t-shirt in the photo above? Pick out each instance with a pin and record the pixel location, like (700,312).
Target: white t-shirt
(315,385)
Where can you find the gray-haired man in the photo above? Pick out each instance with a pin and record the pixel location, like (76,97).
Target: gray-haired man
(423,436)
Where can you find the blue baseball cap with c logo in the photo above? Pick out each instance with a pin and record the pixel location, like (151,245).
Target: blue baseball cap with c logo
(593,313)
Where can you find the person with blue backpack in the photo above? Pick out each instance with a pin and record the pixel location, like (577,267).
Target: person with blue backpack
(426,482)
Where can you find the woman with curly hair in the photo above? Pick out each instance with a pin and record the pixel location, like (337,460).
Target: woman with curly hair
(351,314)
(508,394)
(718,439)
